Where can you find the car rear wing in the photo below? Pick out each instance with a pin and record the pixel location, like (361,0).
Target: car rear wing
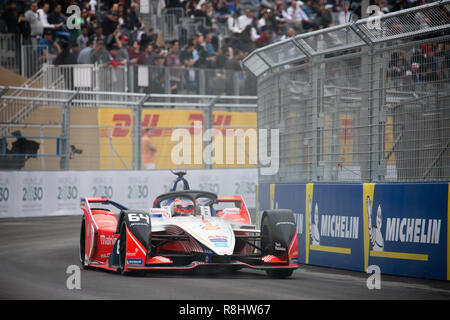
(243,211)
(84,202)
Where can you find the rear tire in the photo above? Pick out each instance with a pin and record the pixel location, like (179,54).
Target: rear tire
(268,239)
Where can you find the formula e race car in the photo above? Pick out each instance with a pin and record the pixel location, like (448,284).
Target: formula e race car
(186,229)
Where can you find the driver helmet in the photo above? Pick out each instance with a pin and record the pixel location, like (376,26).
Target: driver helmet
(183,207)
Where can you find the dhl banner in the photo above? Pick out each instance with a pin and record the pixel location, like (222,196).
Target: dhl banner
(401,228)
(116,141)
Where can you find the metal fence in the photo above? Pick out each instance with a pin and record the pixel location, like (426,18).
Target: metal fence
(363,101)
(94,130)
(149,79)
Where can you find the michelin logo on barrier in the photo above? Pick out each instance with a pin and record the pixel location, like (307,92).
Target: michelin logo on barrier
(398,230)
(376,237)
(314,226)
(413,230)
(332,226)
(416,230)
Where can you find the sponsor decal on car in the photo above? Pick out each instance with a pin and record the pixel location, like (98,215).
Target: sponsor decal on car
(219,241)
(134,261)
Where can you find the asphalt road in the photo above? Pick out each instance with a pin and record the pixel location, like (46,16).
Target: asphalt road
(36,252)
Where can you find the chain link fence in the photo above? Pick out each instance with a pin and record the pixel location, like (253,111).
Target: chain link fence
(364,101)
(95,130)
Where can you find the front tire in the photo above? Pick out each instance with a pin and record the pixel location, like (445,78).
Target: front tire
(279,273)
(122,249)
(82,244)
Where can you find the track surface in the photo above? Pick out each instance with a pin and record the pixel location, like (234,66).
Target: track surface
(35,253)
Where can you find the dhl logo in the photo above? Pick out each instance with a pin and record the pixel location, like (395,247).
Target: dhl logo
(122,123)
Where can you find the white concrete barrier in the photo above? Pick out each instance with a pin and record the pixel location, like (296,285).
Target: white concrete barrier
(46,193)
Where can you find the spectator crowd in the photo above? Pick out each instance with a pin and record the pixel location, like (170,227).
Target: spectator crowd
(116,34)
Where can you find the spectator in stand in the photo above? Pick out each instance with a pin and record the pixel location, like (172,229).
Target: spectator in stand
(122,42)
(292,32)
(75,49)
(158,83)
(99,54)
(84,57)
(83,38)
(222,10)
(247,43)
(200,12)
(265,38)
(57,18)
(134,22)
(115,59)
(344,15)
(295,14)
(110,23)
(187,55)
(210,13)
(173,61)
(173,57)
(245,19)
(264,19)
(135,54)
(232,64)
(190,8)
(148,53)
(98,34)
(22,5)
(52,47)
(233,22)
(24,28)
(147,38)
(65,57)
(309,11)
(10,16)
(36,26)
(234,5)
(156,52)
(209,47)
(200,45)
(43,17)
(327,16)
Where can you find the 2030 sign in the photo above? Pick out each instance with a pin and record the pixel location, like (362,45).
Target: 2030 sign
(32,193)
(67,192)
(137,191)
(102,191)
(4,194)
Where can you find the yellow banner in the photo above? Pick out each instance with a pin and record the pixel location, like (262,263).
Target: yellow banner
(116,143)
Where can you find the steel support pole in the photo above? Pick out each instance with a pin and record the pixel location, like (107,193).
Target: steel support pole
(137,133)
(208,124)
(65,133)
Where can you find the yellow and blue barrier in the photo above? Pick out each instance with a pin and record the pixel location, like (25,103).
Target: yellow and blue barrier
(402,228)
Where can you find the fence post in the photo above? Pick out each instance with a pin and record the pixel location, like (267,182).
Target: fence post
(365,121)
(207,125)
(317,83)
(65,133)
(377,123)
(137,133)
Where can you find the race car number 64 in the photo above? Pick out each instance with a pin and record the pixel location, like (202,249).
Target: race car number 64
(133,217)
